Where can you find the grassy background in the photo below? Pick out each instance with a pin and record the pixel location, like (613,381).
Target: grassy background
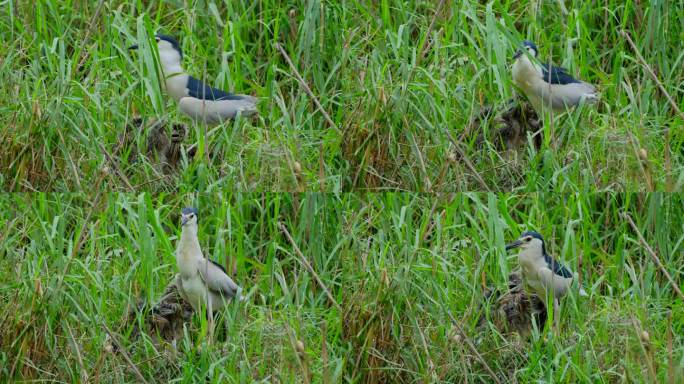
(392,85)
(404,269)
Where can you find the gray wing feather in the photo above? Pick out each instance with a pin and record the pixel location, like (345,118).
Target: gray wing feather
(216,278)
(557,268)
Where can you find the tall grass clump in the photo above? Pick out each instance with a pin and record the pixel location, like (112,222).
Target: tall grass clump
(400,83)
(406,275)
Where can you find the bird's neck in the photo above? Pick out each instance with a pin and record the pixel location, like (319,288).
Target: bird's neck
(170,63)
(188,246)
(525,72)
(170,69)
(175,80)
(529,259)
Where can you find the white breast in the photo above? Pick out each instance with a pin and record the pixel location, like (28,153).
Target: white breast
(196,291)
(531,264)
(176,85)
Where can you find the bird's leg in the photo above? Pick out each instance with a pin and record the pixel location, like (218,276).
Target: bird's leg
(556,314)
(210,316)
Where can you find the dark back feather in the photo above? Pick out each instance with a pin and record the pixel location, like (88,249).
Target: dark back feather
(202,91)
(557,267)
(556,75)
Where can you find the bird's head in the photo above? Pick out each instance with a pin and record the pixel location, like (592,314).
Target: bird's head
(188,217)
(528,47)
(529,241)
(167,46)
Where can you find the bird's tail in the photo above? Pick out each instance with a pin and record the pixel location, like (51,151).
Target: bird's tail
(238,295)
(582,292)
(248,105)
(591,97)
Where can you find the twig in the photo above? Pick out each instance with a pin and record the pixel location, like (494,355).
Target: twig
(646,348)
(117,170)
(431,224)
(124,354)
(421,162)
(652,74)
(306,87)
(89,31)
(84,373)
(324,352)
(670,354)
(81,238)
(426,45)
(653,255)
(430,363)
(466,159)
(308,266)
(668,164)
(160,178)
(473,349)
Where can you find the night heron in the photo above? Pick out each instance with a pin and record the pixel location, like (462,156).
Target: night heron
(548,87)
(542,274)
(201,282)
(196,99)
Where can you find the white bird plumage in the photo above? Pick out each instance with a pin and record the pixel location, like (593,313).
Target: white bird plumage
(196,99)
(541,273)
(546,86)
(202,283)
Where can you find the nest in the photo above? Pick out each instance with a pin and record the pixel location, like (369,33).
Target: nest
(164,143)
(509,129)
(515,310)
(163,320)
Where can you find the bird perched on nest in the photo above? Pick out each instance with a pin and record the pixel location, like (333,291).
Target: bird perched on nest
(202,282)
(196,99)
(542,273)
(548,87)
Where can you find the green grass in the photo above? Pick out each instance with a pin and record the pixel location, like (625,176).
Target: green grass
(406,266)
(392,86)
(405,269)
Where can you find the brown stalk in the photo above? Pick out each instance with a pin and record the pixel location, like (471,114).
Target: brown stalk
(650,251)
(309,267)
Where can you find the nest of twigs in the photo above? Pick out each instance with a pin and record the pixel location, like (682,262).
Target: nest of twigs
(164,143)
(508,129)
(514,310)
(163,320)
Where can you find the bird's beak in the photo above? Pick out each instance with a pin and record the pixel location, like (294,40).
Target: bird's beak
(518,53)
(514,244)
(184,220)
(133,47)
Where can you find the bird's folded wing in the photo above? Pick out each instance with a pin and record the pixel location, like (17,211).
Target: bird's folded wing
(557,267)
(200,90)
(551,280)
(216,278)
(556,75)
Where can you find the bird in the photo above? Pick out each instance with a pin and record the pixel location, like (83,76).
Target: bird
(546,86)
(195,98)
(541,273)
(201,282)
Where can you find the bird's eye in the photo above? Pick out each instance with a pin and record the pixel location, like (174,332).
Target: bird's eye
(528,239)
